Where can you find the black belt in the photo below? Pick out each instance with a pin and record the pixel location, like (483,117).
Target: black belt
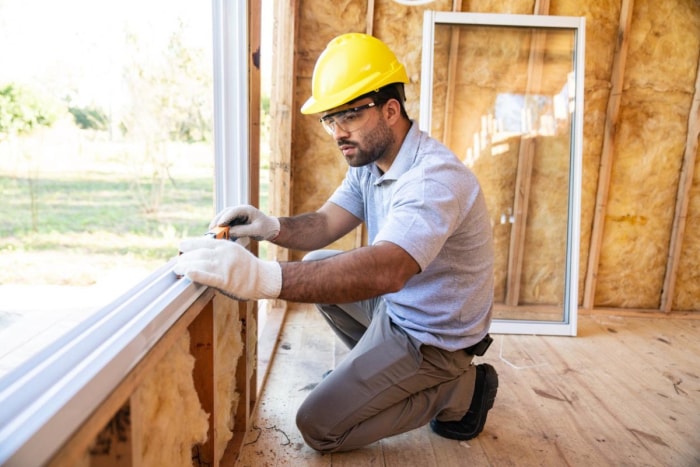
(480,347)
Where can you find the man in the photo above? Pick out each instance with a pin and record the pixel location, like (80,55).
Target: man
(415,305)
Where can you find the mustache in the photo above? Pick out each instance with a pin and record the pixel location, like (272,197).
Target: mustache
(346,142)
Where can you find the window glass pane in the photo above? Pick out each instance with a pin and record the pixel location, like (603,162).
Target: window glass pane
(502,100)
(106,154)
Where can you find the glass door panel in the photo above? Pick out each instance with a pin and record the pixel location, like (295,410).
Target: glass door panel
(504,93)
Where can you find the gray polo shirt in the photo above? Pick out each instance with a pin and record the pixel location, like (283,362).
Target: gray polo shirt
(431,205)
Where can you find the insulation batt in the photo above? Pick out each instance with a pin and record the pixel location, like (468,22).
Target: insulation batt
(649,146)
(228,347)
(167,419)
(171,414)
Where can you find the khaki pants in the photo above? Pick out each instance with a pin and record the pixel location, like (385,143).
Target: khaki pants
(388,383)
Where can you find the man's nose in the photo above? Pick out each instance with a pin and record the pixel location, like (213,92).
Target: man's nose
(339,133)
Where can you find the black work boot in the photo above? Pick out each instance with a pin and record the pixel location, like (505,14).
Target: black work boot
(474,420)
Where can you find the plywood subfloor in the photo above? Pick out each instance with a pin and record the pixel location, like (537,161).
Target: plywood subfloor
(625,392)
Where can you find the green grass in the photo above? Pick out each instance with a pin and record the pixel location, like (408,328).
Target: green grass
(91,222)
(87,205)
(94,214)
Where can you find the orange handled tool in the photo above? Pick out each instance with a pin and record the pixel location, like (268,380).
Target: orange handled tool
(220,232)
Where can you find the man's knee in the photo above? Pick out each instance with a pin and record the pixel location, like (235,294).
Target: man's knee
(308,426)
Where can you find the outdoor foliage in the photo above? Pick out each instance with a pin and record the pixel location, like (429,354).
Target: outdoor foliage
(90,118)
(170,100)
(171,97)
(23,110)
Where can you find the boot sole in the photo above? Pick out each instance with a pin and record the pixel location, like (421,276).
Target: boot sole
(452,430)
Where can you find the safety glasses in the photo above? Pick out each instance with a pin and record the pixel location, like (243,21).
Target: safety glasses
(347,120)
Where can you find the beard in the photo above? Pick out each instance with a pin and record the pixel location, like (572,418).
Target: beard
(372,147)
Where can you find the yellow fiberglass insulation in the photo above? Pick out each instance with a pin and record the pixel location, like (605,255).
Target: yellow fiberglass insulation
(171,415)
(228,349)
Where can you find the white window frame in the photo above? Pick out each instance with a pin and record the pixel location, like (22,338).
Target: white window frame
(568,325)
(44,400)
(231,103)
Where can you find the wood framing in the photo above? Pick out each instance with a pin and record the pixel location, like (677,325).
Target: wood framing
(246,382)
(360,232)
(523,179)
(452,61)
(282,113)
(254,18)
(202,331)
(526,154)
(606,157)
(369,29)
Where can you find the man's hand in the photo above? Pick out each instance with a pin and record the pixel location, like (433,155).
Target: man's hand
(252,222)
(230,268)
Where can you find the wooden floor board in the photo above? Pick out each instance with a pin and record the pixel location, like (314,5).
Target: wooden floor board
(411,448)
(370,456)
(524,391)
(637,382)
(623,405)
(305,350)
(451,453)
(625,392)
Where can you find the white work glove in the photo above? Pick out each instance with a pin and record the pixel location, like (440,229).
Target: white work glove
(253,223)
(229,267)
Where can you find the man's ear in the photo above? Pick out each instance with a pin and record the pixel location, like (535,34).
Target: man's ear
(392,111)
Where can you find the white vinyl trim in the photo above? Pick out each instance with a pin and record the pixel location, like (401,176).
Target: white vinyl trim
(231,103)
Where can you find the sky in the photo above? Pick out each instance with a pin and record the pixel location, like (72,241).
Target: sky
(81,41)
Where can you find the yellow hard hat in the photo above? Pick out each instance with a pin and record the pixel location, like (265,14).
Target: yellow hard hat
(350,66)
